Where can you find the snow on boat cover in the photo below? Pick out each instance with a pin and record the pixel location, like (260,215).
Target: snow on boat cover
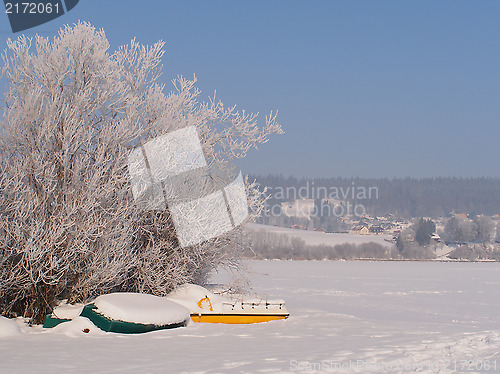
(135,313)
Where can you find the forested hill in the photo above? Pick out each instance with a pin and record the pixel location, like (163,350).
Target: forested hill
(404,197)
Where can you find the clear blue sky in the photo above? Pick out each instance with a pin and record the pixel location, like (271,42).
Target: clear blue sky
(363,88)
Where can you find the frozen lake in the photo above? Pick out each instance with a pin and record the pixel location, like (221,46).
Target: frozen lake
(365,317)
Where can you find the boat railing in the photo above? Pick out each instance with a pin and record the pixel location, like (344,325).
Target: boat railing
(255,304)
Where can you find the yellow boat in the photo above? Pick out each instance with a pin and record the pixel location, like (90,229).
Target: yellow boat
(207,307)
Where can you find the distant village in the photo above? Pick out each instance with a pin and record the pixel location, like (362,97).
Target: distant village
(310,214)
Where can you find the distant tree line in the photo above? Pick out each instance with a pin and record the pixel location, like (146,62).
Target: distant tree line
(269,245)
(475,252)
(275,246)
(403,197)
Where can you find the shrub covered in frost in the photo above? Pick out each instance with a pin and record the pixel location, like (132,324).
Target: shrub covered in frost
(69,227)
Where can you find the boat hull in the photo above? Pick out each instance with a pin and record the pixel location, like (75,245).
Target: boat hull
(51,321)
(236,318)
(112,325)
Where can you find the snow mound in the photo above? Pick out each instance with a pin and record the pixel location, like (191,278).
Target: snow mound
(78,326)
(197,299)
(67,311)
(8,327)
(141,308)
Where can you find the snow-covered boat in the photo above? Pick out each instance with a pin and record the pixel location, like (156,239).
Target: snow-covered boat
(64,312)
(205,306)
(132,313)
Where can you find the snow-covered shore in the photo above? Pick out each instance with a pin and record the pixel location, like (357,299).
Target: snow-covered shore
(366,317)
(322,238)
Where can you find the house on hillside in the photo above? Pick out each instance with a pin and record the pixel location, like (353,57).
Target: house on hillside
(376,230)
(436,238)
(360,230)
(459,215)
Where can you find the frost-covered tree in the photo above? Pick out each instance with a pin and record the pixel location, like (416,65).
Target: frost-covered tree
(460,230)
(414,242)
(485,228)
(69,227)
(424,228)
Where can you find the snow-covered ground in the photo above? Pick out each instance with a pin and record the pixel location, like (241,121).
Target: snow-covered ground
(321,238)
(363,317)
